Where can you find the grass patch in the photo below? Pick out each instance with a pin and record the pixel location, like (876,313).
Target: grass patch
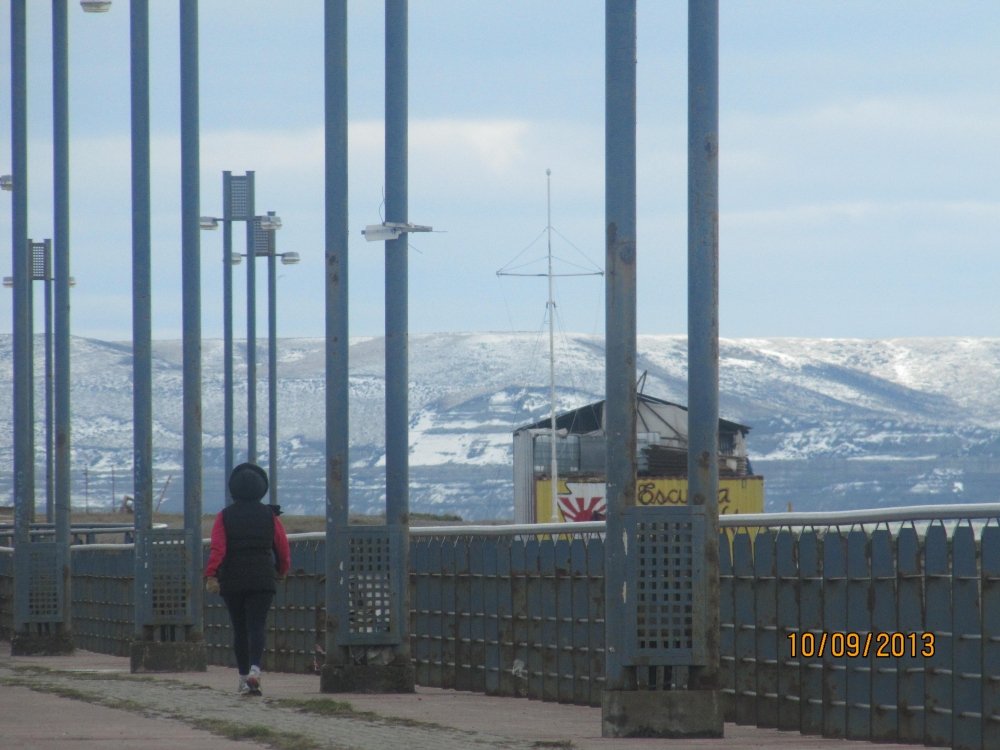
(343,709)
(256,733)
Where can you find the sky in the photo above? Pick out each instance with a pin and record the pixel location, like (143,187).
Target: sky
(858,162)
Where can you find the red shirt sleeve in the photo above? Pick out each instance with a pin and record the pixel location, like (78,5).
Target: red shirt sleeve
(218,547)
(281,548)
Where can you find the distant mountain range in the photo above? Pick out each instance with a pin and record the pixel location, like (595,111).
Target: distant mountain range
(837,423)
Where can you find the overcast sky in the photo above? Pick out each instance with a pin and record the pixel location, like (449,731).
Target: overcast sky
(858,150)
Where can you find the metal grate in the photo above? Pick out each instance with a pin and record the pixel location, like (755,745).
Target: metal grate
(43,589)
(40,270)
(370,587)
(261,238)
(665,570)
(239,198)
(164,577)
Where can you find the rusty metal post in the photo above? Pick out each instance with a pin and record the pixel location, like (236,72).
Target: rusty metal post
(337,343)
(703,306)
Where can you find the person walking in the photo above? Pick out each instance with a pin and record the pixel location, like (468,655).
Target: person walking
(249,553)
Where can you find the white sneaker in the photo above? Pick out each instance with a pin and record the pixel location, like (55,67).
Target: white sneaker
(253,680)
(244,688)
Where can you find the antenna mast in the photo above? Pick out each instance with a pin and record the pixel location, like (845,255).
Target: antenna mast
(554,469)
(551,308)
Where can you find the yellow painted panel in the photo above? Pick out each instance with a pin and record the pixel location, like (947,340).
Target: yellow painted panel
(584,501)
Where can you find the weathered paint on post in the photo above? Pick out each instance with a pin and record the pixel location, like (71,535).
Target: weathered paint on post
(227,331)
(142,332)
(251,320)
(191,306)
(272,369)
(24,440)
(397,414)
(58,402)
(337,344)
(703,306)
(620,317)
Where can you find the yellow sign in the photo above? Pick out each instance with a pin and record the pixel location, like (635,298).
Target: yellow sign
(584,501)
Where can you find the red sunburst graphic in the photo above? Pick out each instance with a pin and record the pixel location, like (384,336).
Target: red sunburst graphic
(581,509)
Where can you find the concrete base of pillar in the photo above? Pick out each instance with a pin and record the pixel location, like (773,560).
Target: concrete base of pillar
(157,656)
(367,678)
(25,644)
(661,713)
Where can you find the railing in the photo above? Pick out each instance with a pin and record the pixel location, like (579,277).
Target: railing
(520,610)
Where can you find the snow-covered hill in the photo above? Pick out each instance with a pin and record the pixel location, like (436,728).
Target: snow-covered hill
(836,422)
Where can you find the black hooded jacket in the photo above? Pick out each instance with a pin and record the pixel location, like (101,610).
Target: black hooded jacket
(248,563)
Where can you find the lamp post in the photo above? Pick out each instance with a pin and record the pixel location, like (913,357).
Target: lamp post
(41,629)
(264,228)
(41,270)
(237,205)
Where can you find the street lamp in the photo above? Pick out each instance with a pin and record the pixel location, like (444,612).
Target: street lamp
(95,6)
(263,233)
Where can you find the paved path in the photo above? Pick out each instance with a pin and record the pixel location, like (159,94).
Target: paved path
(90,700)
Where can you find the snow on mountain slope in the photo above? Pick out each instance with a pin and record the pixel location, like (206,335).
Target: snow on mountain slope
(837,422)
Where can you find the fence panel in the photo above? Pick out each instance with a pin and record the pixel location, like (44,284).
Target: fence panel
(910,619)
(884,724)
(746,646)
(766,629)
(967,695)
(477,625)
(990,545)
(811,628)
(834,626)
(859,638)
(727,637)
(491,623)
(786,569)
(937,622)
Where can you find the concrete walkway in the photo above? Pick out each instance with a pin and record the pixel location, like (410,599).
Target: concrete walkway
(91,700)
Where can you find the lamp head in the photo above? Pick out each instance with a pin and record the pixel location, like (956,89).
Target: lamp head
(6,182)
(95,6)
(208,223)
(270,222)
(289,259)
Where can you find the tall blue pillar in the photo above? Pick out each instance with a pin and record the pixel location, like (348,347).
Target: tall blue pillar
(703,305)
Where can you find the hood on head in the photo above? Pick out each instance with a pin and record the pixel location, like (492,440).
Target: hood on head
(248,483)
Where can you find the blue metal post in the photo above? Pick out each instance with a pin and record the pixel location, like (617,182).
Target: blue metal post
(24,447)
(337,344)
(191,307)
(272,368)
(49,395)
(142,355)
(703,305)
(61,374)
(251,322)
(397,416)
(227,327)
(620,313)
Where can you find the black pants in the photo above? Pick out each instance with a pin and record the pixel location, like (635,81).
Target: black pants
(248,613)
